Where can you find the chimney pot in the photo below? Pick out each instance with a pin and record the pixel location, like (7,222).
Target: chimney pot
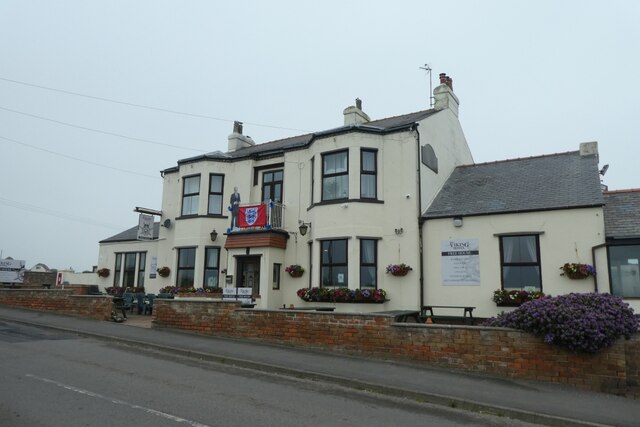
(359,103)
(237,127)
(443,78)
(450,82)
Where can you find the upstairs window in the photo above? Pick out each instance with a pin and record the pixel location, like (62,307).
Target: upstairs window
(272,186)
(368,174)
(520,262)
(190,195)
(335,176)
(216,184)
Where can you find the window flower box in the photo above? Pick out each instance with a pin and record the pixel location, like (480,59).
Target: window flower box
(164,271)
(295,270)
(577,271)
(398,269)
(514,298)
(342,295)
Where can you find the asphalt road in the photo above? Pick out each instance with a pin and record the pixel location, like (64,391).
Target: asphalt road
(53,378)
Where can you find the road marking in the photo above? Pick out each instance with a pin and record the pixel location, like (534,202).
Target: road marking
(118,401)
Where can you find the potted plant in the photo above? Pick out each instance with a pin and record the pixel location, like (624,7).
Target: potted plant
(294,270)
(398,269)
(577,271)
(164,271)
(103,272)
(514,297)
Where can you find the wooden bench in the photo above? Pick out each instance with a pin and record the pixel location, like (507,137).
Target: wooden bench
(429,309)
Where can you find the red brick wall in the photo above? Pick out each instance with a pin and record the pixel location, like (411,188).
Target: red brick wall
(65,301)
(502,352)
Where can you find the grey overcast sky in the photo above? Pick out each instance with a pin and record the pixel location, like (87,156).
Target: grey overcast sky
(533,77)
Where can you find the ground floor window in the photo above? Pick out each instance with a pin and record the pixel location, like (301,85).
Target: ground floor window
(333,263)
(211,267)
(520,262)
(186,267)
(624,270)
(277,268)
(129,269)
(368,263)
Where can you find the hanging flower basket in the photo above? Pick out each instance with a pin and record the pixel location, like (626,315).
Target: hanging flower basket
(577,271)
(164,271)
(295,270)
(398,269)
(103,272)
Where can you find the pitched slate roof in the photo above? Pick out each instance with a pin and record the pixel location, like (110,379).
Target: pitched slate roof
(557,181)
(385,125)
(622,214)
(131,234)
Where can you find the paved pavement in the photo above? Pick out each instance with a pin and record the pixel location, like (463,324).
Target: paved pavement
(546,404)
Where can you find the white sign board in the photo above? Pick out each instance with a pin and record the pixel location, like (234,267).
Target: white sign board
(461,262)
(11,271)
(237,294)
(145,227)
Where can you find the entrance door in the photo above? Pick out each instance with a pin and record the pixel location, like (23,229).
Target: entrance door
(249,273)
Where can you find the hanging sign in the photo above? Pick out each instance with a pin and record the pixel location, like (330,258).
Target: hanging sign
(145,227)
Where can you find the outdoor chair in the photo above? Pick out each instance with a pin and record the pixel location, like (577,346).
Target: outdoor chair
(127,301)
(140,302)
(149,306)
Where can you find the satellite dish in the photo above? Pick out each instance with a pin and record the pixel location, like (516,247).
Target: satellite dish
(604,169)
(167,223)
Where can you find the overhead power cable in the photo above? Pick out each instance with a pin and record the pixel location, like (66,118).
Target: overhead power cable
(78,159)
(45,211)
(148,141)
(147,107)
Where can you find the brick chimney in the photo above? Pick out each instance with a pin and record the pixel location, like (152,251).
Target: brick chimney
(444,96)
(237,140)
(354,115)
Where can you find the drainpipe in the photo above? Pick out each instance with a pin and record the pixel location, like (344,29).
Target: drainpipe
(593,257)
(420,220)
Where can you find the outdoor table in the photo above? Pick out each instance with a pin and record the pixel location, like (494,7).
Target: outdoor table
(466,309)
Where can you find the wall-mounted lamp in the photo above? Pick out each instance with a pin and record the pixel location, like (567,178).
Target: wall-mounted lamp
(214,235)
(399,231)
(457,221)
(304,227)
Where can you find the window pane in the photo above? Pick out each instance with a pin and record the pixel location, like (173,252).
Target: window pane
(339,248)
(211,278)
(368,254)
(336,187)
(519,249)
(367,277)
(368,186)
(216,184)
(277,176)
(368,161)
(215,204)
(267,177)
(192,185)
(335,163)
(187,257)
(212,258)
(521,277)
(190,205)
(185,278)
(624,262)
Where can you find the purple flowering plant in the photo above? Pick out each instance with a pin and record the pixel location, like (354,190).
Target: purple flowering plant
(398,269)
(580,322)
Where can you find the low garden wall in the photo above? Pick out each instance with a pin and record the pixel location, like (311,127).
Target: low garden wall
(72,301)
(495,351)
